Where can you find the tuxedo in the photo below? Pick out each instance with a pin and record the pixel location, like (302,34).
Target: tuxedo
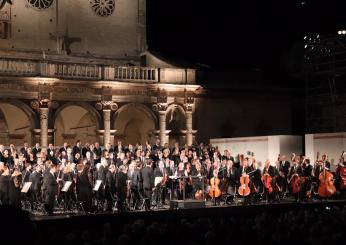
(51,192)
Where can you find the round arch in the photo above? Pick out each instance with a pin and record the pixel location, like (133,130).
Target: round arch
(17,131)
(75,120)
(175,122)
(134,123)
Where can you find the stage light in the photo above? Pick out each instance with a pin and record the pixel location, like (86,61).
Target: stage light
(342,32)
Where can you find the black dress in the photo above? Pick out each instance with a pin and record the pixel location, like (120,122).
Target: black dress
(15,191)
(4,189)
(84,190)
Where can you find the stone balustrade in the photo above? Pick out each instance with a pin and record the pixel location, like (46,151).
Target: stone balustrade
(44,68)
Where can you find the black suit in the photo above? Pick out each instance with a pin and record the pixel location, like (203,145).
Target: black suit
(35,179)
(109,189)
(121,190)
(51,192)
(84,190)
(146,176)
(35,151)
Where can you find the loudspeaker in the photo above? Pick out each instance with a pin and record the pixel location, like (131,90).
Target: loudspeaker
(187,204)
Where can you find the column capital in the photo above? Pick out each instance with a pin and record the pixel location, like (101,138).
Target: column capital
(160,107)
(106,105)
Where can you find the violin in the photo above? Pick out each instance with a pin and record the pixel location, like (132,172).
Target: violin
(267,182)
(214,190)
(326,188)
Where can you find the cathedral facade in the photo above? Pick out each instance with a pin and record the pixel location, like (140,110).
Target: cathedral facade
(80,70)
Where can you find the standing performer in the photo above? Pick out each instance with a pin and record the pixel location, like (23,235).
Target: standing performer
(84,185)
(110,186)
(146,178)
(52,189)
(121,185)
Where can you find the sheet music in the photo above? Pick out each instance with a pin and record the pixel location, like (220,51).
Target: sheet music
(157,180)
(97,185)
(26,187)
(66,186)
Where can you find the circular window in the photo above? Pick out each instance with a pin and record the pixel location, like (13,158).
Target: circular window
(40,4)
(103,8)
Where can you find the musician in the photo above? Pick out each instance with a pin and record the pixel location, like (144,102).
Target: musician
(146,176)
(295,180)
(64,147)
(35,188)
(5,178)
(84,185)
(85,149)
(283,168)
(273,172)
(52,189)
(256,183)
(110,190)
(97,152)
(133,175)
(121,186)
(35,150)
(23,150)
(77,148)
(119,147)
(7,159)
(50,151)
(161,172)
(101,175)
(15,189)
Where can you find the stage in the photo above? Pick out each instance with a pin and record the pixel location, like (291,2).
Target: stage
(166,213)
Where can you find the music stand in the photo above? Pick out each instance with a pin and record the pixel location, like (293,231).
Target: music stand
(26,187)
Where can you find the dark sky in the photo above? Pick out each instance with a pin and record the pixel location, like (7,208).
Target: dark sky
(261,34)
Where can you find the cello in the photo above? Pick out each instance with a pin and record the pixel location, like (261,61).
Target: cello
(267,182)
(326,188)
(214,190)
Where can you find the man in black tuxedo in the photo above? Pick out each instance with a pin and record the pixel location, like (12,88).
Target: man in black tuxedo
(146,176)
(64,147)
(36,150)
(110,186)
(121,185)
(133,175)
(52,189)
(284,168)
(77,148)
(35,179)
(24,150)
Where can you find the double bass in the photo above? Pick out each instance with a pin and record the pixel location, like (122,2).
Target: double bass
(326,188)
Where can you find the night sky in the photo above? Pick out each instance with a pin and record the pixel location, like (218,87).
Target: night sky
(240,34)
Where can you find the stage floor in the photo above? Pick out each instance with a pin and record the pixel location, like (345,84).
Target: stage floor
(209,209)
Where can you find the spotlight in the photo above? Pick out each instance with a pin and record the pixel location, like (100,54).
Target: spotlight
(342,32)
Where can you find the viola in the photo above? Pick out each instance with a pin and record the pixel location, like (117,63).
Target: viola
(214,190)
(267,182)
(244,189)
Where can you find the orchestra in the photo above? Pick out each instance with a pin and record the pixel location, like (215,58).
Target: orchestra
(132,177)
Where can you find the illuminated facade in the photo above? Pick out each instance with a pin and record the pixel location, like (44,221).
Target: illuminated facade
(80,70)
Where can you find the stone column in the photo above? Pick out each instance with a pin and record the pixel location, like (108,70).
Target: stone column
(44,126)
(189,136)
(162,133)
(107,127)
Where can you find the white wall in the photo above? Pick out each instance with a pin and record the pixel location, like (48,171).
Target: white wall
(331,144)
(264,147)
